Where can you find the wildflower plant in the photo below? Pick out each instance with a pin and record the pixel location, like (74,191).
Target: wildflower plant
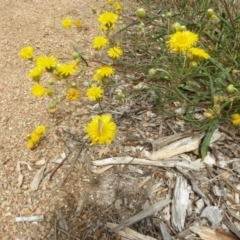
(49,72)
(190,58)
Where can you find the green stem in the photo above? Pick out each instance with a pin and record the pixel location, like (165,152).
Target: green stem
(100,106)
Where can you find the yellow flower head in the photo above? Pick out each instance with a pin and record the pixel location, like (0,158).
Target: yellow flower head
(73,94)
(118,7)
(94,93)
(66,70)
(30,144)
(199,53)
(67,23)
(236,119)
(78,23)
(108,19)
(106,71)
(48,63)
(115,52)
(181,41)
(101,129)
(26,53)
(35,74)
(40,129)
(35,137)
(99,42)
(102,73)
(38,90)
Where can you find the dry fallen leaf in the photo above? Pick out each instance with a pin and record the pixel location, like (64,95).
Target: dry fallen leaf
(20,176)
(37,178)
(101,170)
(103,151)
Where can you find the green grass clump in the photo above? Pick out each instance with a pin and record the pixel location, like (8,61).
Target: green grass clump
(189,54)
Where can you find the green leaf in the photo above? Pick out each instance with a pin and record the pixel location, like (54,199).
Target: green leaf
(206,141)
(76,50)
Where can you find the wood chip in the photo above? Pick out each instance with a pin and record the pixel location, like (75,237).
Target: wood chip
(126,160)
(179,203)
(129,233)
(214,214)
(143,214)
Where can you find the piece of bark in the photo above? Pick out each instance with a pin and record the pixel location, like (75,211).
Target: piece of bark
(126,160)
(165,233)
(143,214)
(183,145)
(195,188)
(179,203)
(164,141)
(214,215)
(29,218)
(129,233)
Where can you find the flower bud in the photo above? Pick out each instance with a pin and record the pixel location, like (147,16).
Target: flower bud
(193,64)
(50,81)
(75,55)
(231,89)
(235,71)
(176,27)
(73,85)
(141,13)
(217,108)
(183,28)
(218,99)
(210,12)
(168,15)
(120,96)
(209,114)
(152,72)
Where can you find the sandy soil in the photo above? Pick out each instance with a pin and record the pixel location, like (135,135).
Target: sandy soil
(38,24)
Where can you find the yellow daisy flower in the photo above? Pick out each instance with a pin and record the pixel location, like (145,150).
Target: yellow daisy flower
(30,144)
(40,129)
(99,42)
(181,41)
(26,53)
(67,23)
(115,52)
(35,74)
(73,94)
(106,71)
(35,137)
(236,119)
(94,93)
(110,2)
(102,73)
(66,70)
(38,90)
(199,53)
(46,63)
(108,19)
(101,129)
